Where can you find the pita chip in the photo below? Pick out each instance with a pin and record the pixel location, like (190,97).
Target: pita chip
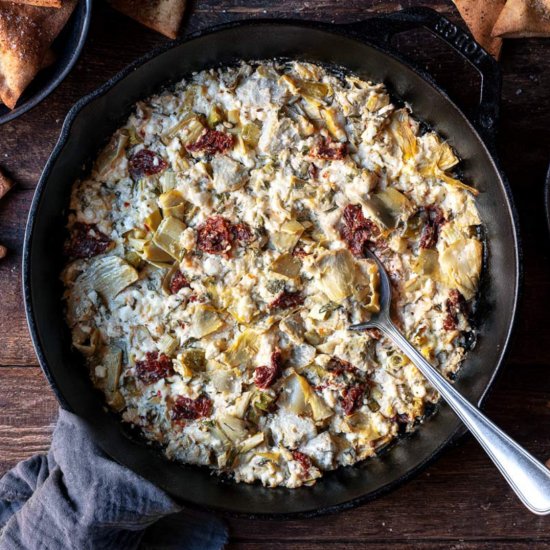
(5,184)
(480,16)
(523,18)
(163,16)
(26,33)
(41,3)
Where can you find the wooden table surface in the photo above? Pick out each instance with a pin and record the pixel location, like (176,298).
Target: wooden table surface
(460,501)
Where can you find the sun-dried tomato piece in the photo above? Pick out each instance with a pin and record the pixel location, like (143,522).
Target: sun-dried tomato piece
(313,171)
(353,398)
(434,220)
(154,367)
(304,460)
(340,366)
(212,142)
(242,232)
(454,306)
(299,252)
(266,375)
(215,236)
(402,419)
(329,150)
(356,230)
(450,322)
(185,408)
(374,333)
(456,299)
(287,300)
(86,241)
(146,163)
(178,282)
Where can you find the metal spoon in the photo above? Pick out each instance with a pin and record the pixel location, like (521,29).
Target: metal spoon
(529,479)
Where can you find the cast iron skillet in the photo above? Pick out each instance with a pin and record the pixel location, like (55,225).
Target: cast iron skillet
(364,49)
(67,47)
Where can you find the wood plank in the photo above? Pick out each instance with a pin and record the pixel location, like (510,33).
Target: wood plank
(29,410)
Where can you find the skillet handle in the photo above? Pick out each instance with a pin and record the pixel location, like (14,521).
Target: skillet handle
(381,28)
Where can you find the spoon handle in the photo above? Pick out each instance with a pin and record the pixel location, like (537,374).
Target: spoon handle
(529,479)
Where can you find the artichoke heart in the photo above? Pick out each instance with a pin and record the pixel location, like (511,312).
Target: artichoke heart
(193,359)
(334,121)
(205,321)
(288,236)
(377,101)
(403,134)
(447,159)
(88,346)
(441,160)
(251,134)
(396,203)
(167,344)
(112,153)
(168,237)
(137,239)
(318,90)
(336,274)
(251,442)
(108,276)
(228,174)
(363,426)
(339,276)
(243,349)
(189,128)
(156,256)
(234,428)
(366,283)
(173,204)
(112,361)
(224,379)
(290,83)
(286,266)
(215,116)
(376,210)
(460,265)
(427,263)
(241,404)
(306,88)
(300,398)
(152,221)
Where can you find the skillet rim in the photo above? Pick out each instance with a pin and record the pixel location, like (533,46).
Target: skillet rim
(385,49)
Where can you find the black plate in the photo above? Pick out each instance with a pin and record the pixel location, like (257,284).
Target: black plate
(67,48)
(364,49)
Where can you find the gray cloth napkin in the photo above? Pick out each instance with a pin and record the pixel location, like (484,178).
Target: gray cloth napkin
(76,497)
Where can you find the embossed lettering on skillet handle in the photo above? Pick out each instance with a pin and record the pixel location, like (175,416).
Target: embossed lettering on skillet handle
(380,30)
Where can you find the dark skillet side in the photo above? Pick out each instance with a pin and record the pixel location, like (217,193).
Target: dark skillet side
(95,117)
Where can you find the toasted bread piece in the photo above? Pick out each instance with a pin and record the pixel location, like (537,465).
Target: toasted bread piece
(3,252)
(523,18)
(5,184)
(41,3)
(480,16)
(163,16)
(26,33)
